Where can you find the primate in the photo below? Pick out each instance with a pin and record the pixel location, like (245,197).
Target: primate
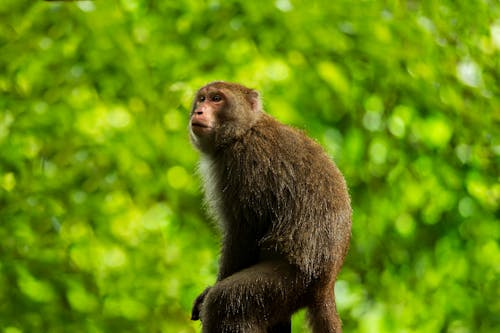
(284,211)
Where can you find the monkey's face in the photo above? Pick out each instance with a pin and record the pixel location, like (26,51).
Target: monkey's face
(221,113)
(207,108)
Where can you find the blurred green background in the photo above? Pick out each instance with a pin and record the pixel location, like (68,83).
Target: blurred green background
(102,226)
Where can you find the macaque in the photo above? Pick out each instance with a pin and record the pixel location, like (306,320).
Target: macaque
(284,212)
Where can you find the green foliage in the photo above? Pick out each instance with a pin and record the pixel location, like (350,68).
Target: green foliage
(102,225)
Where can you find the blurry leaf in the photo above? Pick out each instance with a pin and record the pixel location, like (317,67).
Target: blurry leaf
(36,289)
(334,76)
(81,300)
(100,205)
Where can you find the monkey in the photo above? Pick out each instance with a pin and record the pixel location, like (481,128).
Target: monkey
(284,212)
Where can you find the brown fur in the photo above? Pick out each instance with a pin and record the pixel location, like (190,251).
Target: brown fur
(285,215)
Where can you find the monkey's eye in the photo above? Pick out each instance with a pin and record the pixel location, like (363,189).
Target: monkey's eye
(216,98)
(202,99)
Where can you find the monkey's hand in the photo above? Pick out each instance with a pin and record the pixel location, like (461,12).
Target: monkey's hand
(195,312)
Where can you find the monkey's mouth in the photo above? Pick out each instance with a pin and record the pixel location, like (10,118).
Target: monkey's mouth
(200,128)
(199,125)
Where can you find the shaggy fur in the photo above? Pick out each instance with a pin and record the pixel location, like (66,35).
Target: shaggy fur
(285,215)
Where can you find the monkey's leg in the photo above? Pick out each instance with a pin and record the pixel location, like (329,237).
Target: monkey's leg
(323,315)
(253,300)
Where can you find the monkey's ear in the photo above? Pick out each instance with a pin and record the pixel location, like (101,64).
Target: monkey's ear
(255,100)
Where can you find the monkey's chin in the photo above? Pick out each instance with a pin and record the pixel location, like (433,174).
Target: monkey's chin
(201,131)
(202,141)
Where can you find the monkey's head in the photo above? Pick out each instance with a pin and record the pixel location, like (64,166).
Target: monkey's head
(221,113)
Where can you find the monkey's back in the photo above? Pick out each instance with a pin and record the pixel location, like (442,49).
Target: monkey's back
(281,186)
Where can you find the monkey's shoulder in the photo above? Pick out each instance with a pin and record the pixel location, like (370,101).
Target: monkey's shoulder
(271,139)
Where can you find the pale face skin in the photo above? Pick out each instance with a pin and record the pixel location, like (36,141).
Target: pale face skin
(203,123)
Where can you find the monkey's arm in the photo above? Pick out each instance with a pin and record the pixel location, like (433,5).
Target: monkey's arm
(238,252)
(195,312)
